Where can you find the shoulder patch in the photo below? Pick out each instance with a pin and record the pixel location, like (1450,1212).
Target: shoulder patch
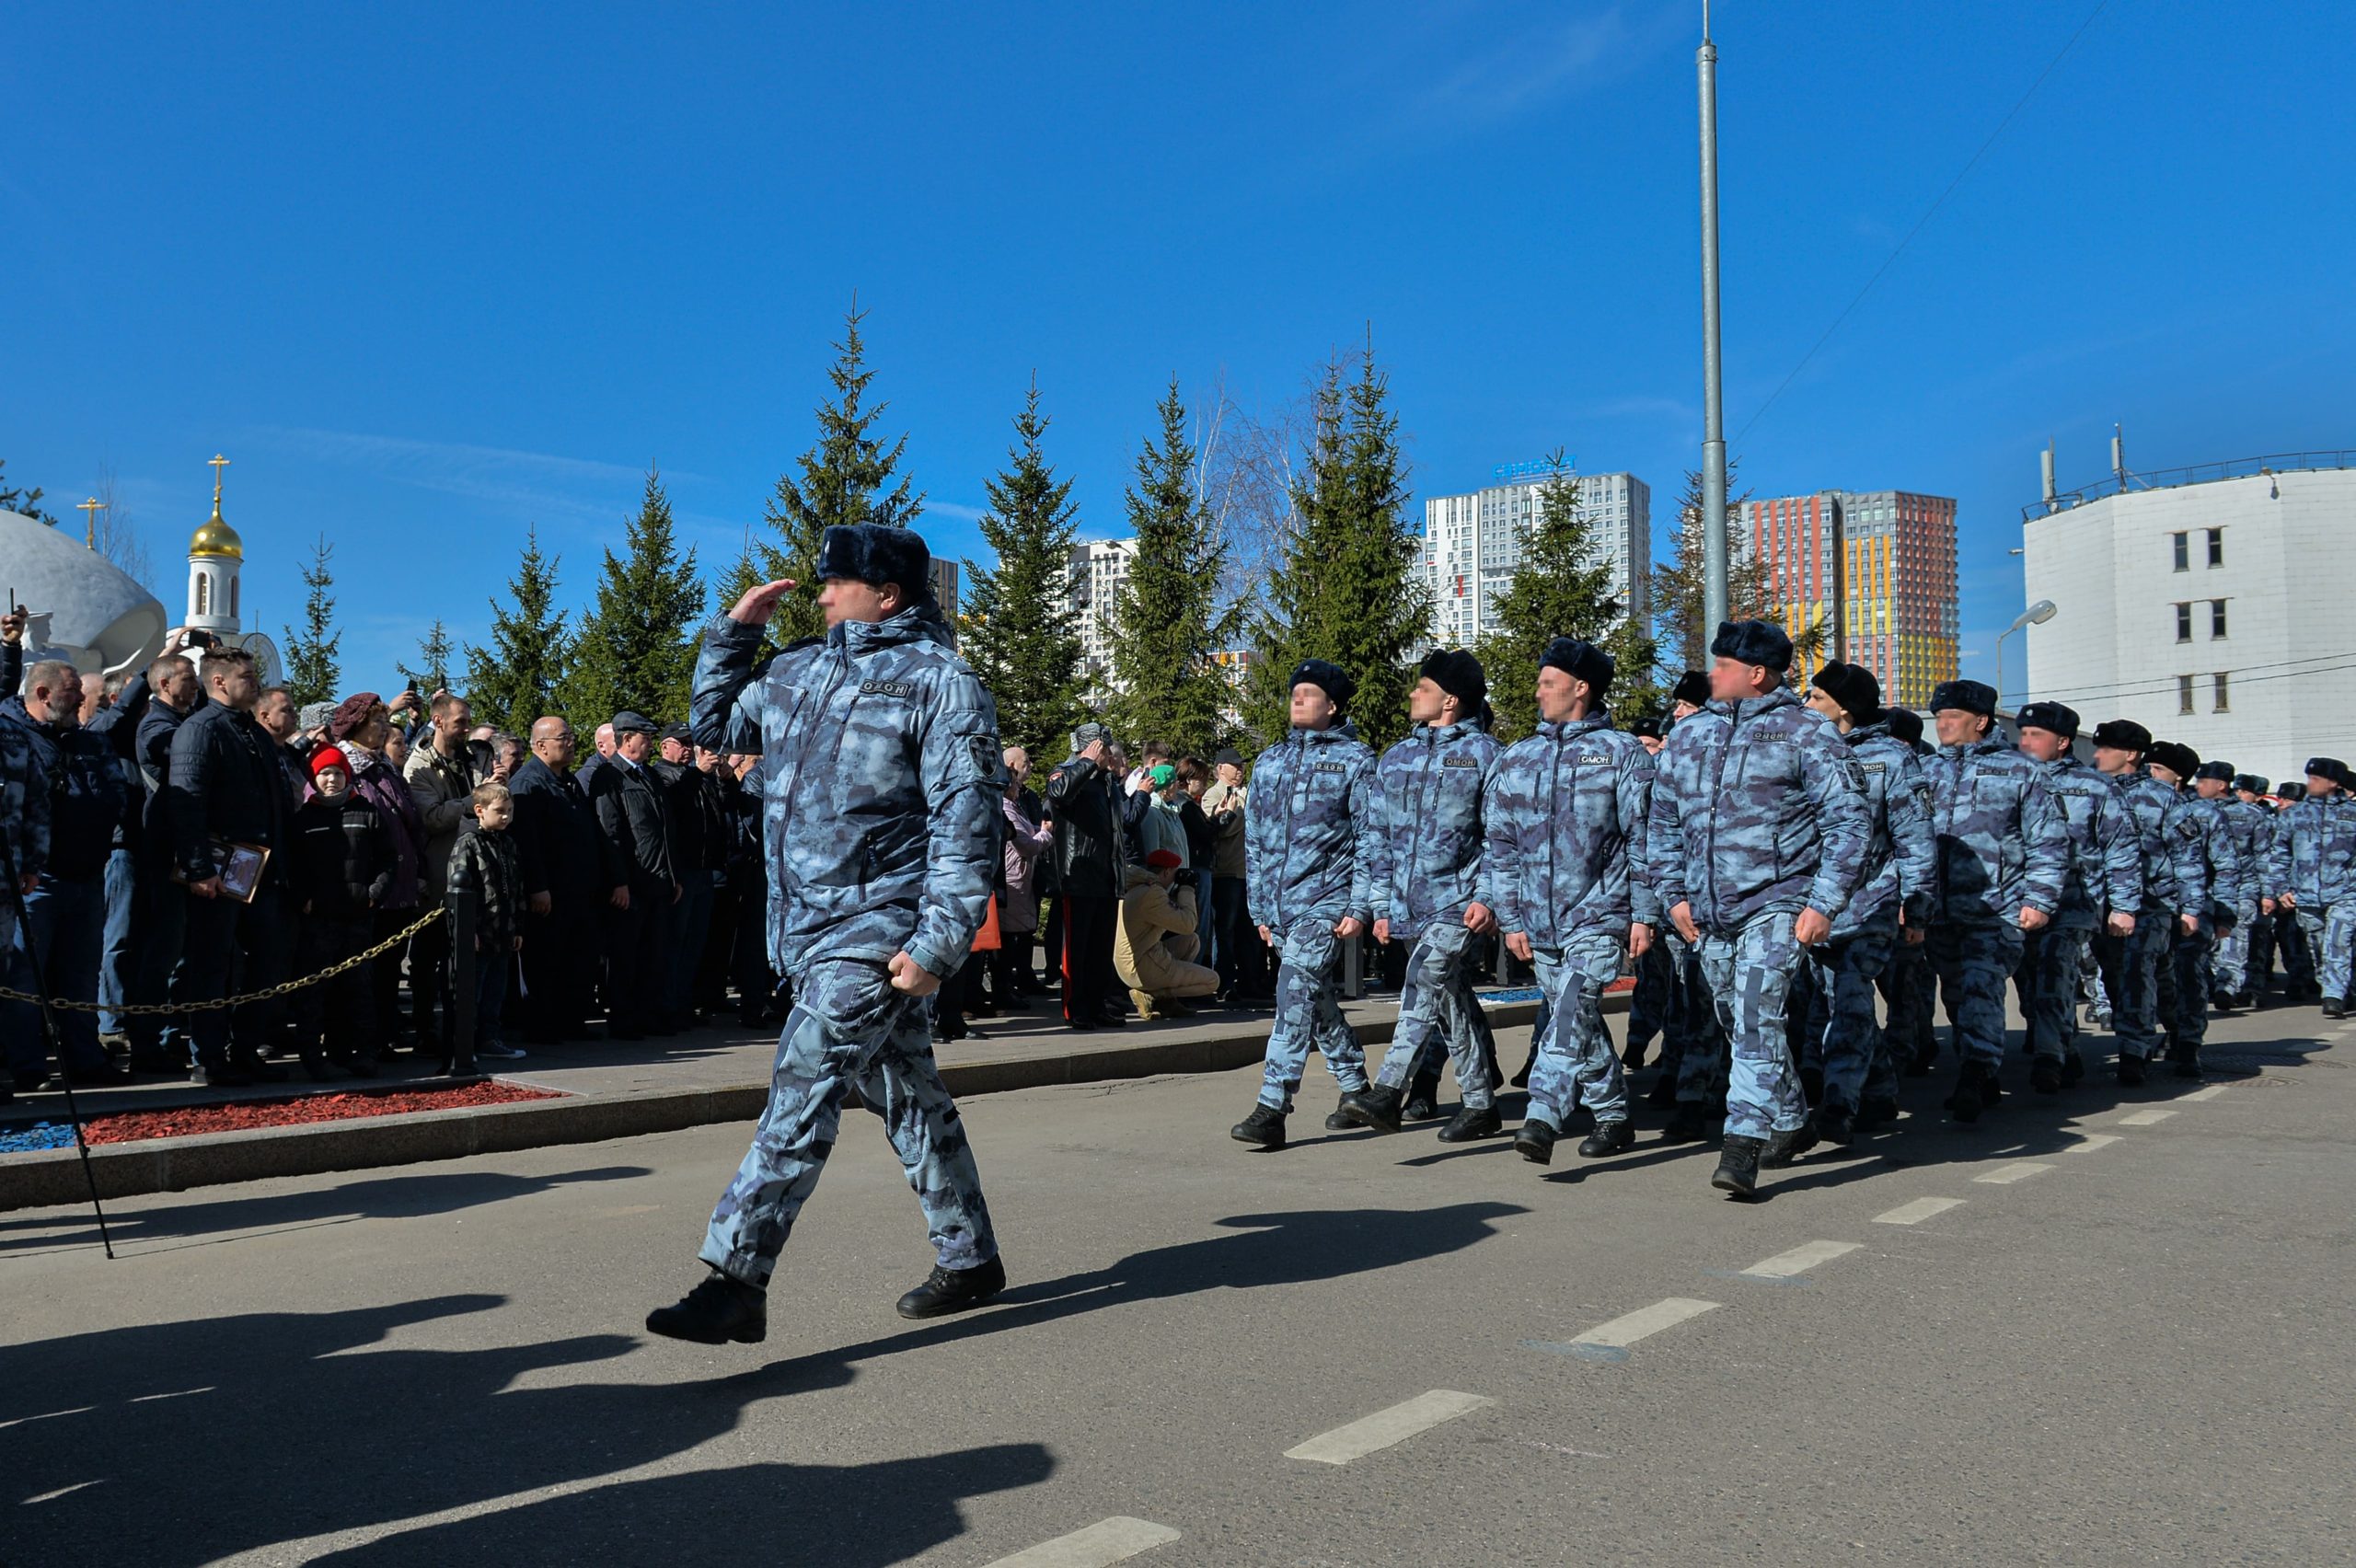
(886,688)
(1871,767)
(987,753)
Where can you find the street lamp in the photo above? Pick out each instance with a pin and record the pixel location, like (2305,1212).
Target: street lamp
(2035,614)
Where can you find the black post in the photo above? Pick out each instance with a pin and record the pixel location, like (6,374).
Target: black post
(459,905)
(49,1031)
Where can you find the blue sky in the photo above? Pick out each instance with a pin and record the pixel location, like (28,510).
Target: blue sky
(431,274)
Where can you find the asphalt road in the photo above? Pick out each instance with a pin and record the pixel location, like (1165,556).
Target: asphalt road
(2124,1337)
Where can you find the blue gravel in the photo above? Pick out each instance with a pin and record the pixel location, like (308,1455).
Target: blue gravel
(41,1135)
(1525,993)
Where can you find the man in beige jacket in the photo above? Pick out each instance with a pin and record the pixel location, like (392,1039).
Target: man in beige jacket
(1154,949)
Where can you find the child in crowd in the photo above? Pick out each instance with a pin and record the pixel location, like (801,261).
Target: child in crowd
(343,869)
(486,866)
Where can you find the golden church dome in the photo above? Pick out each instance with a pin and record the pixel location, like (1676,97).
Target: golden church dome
(216,538)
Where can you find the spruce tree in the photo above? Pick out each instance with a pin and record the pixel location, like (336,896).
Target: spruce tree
(1167,621)
(1350,589)
(312,672)
(1562,587)
(1679,584)
(848,477)
(514,681)
(1017,626)
(635,650)
(434,650)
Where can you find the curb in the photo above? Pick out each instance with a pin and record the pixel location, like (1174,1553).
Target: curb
(52,1178)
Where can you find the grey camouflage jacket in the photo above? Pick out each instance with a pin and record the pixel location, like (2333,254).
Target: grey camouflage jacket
(1757,807)
(1312,830)
(2003,844)
(1566,811)
(2253,831)
(24,812)
(1427,855)
(2175,877)
(2205,827)
(2106,858)
(880,815)
(2312,857)
(1902,864)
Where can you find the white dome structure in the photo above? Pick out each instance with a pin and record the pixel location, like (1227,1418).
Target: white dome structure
(94,613)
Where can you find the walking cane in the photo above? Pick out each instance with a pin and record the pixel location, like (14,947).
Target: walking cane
(49,1031)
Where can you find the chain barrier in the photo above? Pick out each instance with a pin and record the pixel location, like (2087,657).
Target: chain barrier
(283,988)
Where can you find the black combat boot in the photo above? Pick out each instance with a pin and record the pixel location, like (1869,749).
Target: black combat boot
(717,1310)
(2187,1062)
(2131,1069)
(1782,1149)
(1608,1137)
(1738,1170)
(1835,1125)
(1468,1124)
(947,1290)
(1376,1106)
(1876,1111)
(2045,1075)
(1264,1126)
(1975,1090)
(1689,1125)
(2335,1007)
(1423,1099)
(1338,1118)
(1535,1143)
(2073,1067)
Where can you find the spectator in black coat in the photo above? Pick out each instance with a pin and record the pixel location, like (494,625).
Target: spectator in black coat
(160,907)
(487,867)
(1090,866)
(226,790)
(698,815)
(630,814)
(345,861)
(571,873)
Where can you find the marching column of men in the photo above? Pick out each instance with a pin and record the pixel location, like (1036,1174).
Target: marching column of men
(1767,867)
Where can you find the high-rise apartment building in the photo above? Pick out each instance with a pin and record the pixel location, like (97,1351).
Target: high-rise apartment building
(1876,569)
(1473,543)
(1099,567)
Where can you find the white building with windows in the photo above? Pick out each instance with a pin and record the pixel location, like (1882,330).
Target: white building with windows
(1099,568)
(1473,543)
(2211,605)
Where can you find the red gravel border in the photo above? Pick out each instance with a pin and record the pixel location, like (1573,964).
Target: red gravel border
(187,1121)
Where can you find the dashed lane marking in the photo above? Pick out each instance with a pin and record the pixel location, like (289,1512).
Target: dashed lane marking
(1385,1427)
(2089,1142)
(2020,1171)
(2151,1118)
(1610,1341)
(2197,1095)
(1917,1211)
(1800,1259)
(1108,1540)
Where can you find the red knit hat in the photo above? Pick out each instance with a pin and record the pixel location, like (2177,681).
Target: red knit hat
(329,756)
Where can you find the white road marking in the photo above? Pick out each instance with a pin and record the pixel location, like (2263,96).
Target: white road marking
(176,1394)
(1800,1259)
(1917,1211)
(1610,1341)
(2005,1175)
(1385,1427)
(2151,1118)
(53,1496)
(2197,1095)
(47,1416)
(1108,1540)
(2089,1142)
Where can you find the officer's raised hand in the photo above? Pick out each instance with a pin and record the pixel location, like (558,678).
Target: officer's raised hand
(760,604)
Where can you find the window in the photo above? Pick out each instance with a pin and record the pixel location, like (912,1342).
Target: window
(2182,544)
(2216,617)
(204,595)
(2216,547)
(2221,692)
(2184,694)
(2184,621)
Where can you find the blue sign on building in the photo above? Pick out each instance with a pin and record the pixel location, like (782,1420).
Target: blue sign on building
(1537,468)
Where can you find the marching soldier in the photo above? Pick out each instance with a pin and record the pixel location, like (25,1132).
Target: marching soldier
(2314,873)
(2103,890)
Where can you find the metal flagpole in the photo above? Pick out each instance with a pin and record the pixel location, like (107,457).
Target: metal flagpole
(1713,428)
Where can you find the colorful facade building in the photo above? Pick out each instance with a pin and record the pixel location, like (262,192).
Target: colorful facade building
(1875,570)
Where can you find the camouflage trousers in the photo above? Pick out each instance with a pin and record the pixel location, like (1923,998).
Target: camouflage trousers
(849,1030)
(2130,983)
(2051,962)
(2298,958)
(1308,1013)
(1907,1028)
(1576,1064)
(1656,994)
(1847,976)
(1974,964)
(1438,1012)
(1695,1050)
(2229,967)
(2182,1000)
(1749,970)
(2329,936)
